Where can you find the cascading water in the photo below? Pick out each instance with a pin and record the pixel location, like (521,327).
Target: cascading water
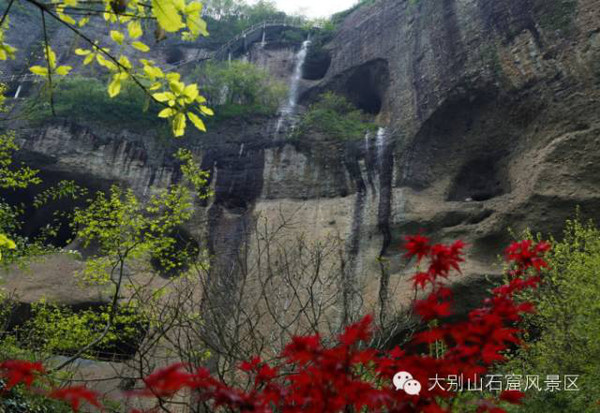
(380,144)
(289,108)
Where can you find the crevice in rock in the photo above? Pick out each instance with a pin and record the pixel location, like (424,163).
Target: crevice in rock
(480,180)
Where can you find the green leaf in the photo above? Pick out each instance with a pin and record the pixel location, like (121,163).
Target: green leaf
(117,36)
(163,97)
(39,70)
(140,46)
(179,125)
(114,88)
(167,15)
(124,61)
(50,56)
(206,111)
(197,121)
(167,113)
(88,59)
(135,29)
(63,70)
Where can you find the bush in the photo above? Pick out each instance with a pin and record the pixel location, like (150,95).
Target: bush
(334,116)
(240,89)
(565,331)
(86,99)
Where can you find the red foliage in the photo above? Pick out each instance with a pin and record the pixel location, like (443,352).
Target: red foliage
(166,382)
(74,395)
(312,377)
(20,371)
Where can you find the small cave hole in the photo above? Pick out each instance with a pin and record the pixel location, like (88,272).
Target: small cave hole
(479,180)
(174,55)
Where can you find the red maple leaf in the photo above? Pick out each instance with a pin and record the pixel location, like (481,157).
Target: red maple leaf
(416,245)
(168,381)
(75,395)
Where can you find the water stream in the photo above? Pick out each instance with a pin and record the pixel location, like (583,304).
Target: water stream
(288,110)
(380,144)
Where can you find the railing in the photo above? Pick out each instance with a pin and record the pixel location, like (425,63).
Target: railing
(23,78)
(259,26)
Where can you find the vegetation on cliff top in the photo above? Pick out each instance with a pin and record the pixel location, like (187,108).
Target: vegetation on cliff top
(335,117)
(240,89)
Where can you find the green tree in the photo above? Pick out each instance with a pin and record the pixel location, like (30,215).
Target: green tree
(564,331)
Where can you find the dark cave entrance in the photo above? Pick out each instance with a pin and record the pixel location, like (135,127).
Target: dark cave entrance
(52,220)
(366,86)
(174,55)
(480,180)
(317,64)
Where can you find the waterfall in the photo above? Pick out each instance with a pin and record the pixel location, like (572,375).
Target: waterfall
(380,144)
(289,108)
(18,92)
(264,38)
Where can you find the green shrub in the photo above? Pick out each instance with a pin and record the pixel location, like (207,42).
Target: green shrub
(334,116)
(86,99)
(60,329)
(564,333)
(239,89)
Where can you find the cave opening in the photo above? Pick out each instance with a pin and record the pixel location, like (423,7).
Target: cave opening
(317,63)
(51,221)
(480,180)
(174,55)
(366,86)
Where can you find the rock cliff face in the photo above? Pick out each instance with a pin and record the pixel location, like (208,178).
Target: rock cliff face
(490,115)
